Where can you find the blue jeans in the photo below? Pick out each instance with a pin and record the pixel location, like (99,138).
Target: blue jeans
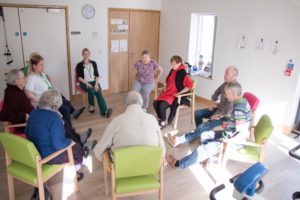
(203,113)
(204,151)
(207,126)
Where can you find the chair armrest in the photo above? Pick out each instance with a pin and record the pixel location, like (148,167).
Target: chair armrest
(185,94)
(53,155)
(15,125)
(106,161)
(242,142)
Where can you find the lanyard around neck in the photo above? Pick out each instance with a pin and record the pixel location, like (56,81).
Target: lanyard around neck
(88,67)
(44,78)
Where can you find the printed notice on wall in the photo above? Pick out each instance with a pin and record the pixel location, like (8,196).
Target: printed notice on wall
(117,21)
(123,45)
(115,46)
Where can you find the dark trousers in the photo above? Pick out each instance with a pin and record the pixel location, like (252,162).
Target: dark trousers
(66,109)
(71,133)
(160,108)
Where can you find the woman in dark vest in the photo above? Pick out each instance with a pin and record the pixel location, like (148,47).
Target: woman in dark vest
(177,82)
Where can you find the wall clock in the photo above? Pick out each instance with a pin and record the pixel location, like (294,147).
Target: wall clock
(88,11)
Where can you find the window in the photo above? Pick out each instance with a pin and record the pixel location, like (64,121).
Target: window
(201,45)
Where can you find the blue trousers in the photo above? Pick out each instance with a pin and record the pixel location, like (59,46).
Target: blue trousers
(204,151)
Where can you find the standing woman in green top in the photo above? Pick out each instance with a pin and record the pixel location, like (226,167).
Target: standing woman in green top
(87,74)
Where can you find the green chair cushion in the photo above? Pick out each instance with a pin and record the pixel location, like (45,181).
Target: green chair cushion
(250,152)
(19,149)
(135,184)
(28,174)
(137,161)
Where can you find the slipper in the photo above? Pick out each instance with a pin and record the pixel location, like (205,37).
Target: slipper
(79,175)
(170,139)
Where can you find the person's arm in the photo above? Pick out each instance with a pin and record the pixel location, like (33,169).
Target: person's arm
(96,74)
(9,112)
(32,96)
(217,93)
(105,141)
(158,72)
(80,76)
(187,83)
(57,135)
(134,72)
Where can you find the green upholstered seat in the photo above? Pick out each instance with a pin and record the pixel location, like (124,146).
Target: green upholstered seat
(137,168)
(262,132)
(23,154)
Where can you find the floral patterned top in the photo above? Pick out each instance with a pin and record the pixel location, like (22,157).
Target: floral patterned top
(145,72)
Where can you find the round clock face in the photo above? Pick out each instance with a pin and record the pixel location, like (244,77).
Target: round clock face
(88,11)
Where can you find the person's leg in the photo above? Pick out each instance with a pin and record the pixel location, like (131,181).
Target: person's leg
(155,106)
(202,153)
(71,133)
(67,103)
(137,86)
(202,113)
(162,110)
(91,93)
(146,91)
(66,114)
(101,102)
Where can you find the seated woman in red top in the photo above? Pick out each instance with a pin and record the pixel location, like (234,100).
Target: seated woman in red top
(177,82)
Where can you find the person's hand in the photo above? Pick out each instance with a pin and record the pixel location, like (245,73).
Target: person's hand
(88,85)
(211,107)
(215,117)
(176,94)
(96,88)
(26,116)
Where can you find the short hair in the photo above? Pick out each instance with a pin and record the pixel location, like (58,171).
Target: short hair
(234,69)
(85,49)
(34,59)
(176,59)
(235,87)
(133,97)
(50,98)
(12,76)
(145,52)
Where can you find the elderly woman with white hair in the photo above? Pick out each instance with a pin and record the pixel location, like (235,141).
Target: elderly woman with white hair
(134,127)
(16,106)
(46,130)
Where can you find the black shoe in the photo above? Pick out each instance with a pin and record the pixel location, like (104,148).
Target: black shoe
(79,175)
(35,195)
(108,112)
(88,148)
(85,136)
(78,112)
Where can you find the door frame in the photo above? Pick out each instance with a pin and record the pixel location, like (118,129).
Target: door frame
(108,36)
(67,31)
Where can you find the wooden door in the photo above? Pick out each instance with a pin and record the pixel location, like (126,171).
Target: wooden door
(144,34)
(118,50)
(45,32)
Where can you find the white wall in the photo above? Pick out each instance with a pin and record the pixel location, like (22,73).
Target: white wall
(260,72)
(98,25)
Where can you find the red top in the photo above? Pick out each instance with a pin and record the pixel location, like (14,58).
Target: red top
(168,94)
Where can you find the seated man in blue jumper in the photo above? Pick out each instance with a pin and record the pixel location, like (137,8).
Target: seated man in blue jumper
(211,141)
(217,113)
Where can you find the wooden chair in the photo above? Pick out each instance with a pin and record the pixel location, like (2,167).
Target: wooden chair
(24,163)
(191,97)
(251,150)
(9,127)
(159,87)
(79,91)
(254,102)
(136,170)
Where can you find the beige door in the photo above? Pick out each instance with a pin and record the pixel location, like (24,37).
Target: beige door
(118,57)
(136,29)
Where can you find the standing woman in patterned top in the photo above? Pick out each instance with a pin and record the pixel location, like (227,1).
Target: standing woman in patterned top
(146,72)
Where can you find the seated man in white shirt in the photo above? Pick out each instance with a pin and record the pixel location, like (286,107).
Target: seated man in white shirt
(132,128)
